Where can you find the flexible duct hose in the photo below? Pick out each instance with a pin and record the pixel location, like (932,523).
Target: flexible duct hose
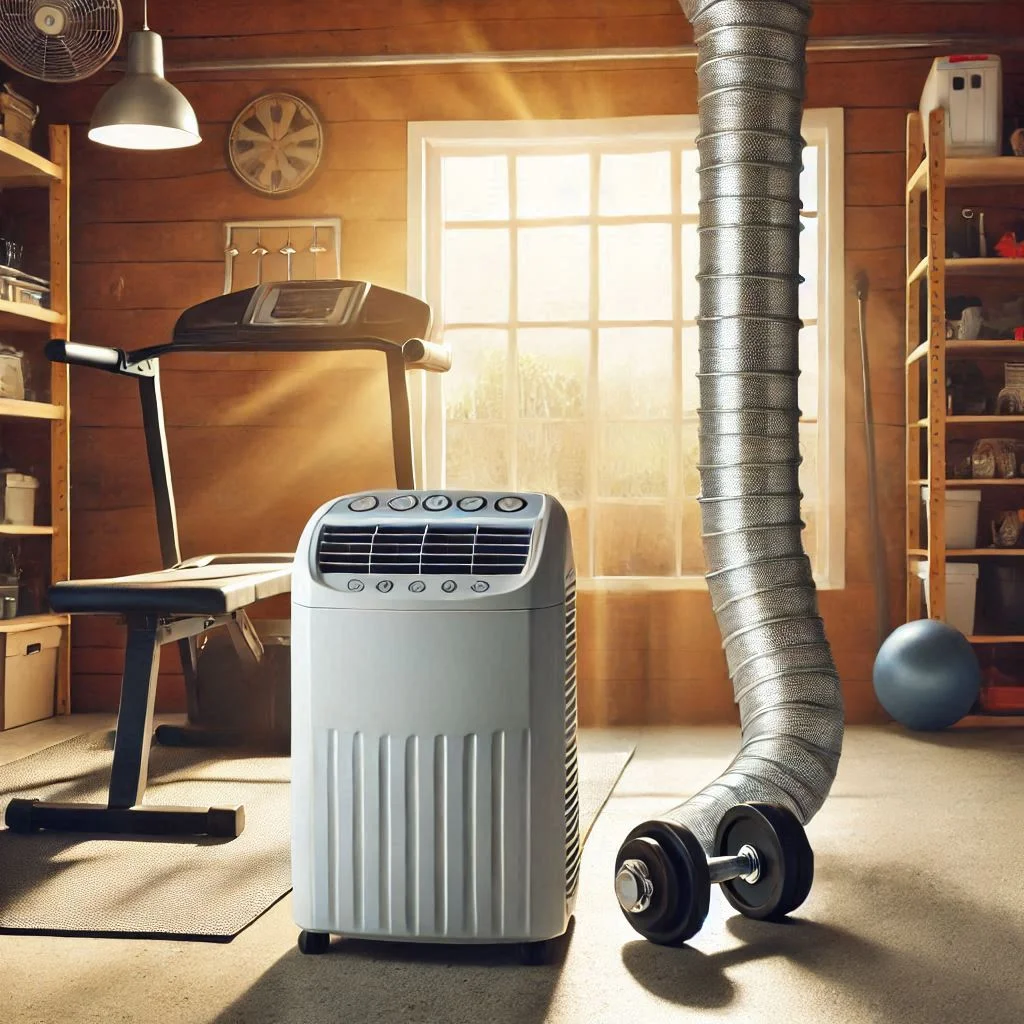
(751,70)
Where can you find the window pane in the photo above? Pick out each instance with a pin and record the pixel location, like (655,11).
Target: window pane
(635,183)
(553,186)
(476,456)
(691,459)
(809,179)
(692,561)
(474,388)
(691,265)
(809,268)
(553,458)
(476,276)
(636,272)
(579,528)
(691,367)
(634,540)
(475,187)
(635,372)
(691,180)
(554,273)
(809,375)
(553,366)
(633,460)
(809,486)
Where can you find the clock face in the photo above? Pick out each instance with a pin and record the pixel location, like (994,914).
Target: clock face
(276,143)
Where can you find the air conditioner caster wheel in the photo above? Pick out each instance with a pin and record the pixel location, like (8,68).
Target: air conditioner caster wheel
(314,943)
(535,954)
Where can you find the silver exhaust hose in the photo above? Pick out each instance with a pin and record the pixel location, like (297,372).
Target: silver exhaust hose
(751,69)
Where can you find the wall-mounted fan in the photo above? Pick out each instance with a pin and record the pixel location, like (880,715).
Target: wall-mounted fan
(59,40)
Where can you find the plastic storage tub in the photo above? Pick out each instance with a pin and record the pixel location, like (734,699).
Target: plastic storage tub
(19,498)
(969,87)
(961,516)
(961,593)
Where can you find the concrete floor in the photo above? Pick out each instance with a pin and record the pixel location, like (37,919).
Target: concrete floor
(916,917)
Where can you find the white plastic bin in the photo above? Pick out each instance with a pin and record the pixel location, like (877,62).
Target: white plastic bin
(961,592)
(961,516)
(969,88)
(19,498)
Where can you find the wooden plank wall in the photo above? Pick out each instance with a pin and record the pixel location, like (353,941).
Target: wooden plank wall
(259,441)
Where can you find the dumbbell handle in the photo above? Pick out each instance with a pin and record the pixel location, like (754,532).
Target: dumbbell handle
(634,887)
(746,865)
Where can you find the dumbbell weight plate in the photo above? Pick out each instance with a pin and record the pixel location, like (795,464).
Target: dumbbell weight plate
(787,861)
(678,868)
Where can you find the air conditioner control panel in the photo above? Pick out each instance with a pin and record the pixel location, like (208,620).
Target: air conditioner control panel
(440,501)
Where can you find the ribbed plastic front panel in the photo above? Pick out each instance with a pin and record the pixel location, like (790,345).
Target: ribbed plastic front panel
(429,835)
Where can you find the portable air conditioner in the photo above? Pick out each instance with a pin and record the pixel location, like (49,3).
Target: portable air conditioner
(434,774)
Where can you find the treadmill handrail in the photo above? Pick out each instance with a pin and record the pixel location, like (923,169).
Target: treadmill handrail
(77,354)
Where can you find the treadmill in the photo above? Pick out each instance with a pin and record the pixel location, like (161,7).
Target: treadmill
(190,597)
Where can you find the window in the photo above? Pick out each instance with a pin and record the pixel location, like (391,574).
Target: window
(560,261)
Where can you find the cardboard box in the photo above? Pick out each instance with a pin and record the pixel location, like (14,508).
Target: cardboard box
(28,684)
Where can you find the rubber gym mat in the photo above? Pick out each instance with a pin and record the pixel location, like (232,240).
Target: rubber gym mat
(197,888)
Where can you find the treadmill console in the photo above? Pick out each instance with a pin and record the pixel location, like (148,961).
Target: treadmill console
(303,314)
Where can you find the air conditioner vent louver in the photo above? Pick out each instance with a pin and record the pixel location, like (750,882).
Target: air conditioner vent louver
(572,792)
(424,550)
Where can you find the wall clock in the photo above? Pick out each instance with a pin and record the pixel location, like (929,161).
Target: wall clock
(276,143)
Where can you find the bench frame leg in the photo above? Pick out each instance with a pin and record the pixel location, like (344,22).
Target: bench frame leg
(122,814)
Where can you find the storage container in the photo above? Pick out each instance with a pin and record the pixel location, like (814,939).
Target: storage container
(1002,588)
(28,685)
(961,516)
(19,498)
(961,593)
(969,87)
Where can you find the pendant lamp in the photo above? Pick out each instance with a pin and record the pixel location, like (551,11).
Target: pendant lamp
(143,110)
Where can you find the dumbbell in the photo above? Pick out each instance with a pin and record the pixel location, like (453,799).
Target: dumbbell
(663,878)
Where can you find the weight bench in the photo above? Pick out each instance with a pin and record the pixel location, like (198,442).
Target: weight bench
(188,598)
(170,605)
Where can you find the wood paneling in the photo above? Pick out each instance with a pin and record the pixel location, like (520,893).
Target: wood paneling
(257,441)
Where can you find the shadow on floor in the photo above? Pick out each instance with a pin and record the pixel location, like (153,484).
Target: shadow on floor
(937,958)
(415,983)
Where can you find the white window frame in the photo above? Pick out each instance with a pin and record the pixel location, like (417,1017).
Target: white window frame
(822,128)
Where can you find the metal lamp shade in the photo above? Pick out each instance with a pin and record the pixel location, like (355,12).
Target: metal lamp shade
(143,110)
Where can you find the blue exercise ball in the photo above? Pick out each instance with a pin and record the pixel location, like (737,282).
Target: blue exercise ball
(927,675)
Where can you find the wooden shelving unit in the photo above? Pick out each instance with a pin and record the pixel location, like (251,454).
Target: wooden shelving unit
(20,168)
(930,176)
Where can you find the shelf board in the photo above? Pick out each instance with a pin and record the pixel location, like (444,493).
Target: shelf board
(22,168)
(984,552)
(20,316)
(990,266)
(985,348)
(954,420)
(995,639)
(999,482)
(989,719)
(13,530)
(972,171)
(22,622)
(30,410)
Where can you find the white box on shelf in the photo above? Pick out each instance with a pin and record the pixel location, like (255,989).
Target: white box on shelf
(961,516)
(969,87)
(19,491)
(28,675)
(961,592)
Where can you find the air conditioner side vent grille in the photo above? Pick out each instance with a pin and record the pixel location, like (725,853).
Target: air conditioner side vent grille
(573,848)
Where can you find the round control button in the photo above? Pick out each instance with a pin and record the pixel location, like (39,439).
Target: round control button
(473,504)
(437,502)
(355,585)
(384,586)
(403,502)
(480,586)
(510,504)
(417,586)
(363,504)
(448,586)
